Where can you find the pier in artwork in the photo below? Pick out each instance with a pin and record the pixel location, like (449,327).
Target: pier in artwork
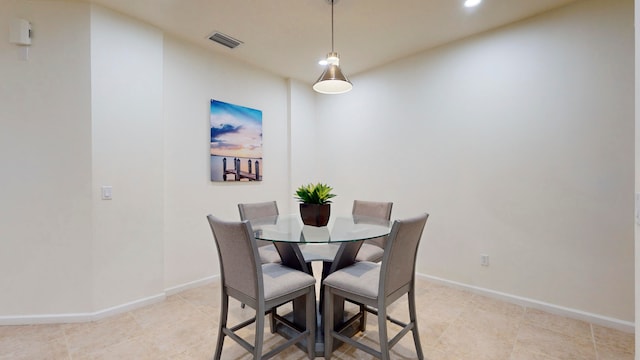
(239,175)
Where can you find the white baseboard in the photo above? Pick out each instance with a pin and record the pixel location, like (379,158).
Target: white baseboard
(79,317)
(617,324)
(119,309)
(190,285)
(101,314)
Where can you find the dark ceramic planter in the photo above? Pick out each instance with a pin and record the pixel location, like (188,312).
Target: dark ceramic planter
(315,214)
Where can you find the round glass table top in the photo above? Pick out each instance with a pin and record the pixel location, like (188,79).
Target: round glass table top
(289,228)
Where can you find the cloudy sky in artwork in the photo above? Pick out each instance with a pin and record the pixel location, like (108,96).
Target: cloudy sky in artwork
(235,130)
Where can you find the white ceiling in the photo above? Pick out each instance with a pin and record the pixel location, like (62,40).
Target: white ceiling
(288,37)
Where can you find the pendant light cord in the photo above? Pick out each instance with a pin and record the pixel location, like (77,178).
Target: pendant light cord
(332,1)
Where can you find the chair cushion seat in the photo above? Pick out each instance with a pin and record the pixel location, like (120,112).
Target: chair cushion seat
(361,278)
(280,280)
(370,252)
(269,254)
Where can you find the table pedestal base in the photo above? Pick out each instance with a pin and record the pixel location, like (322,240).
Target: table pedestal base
(292,257)
(352,327)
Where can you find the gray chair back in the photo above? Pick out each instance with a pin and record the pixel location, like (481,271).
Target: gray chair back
(262,287)
(240,269)
(251,211)
(395,277)
(374,209)
(398,264)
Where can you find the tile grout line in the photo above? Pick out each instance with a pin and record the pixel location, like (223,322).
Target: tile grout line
(468,301)
(66,343)
(537,352)
(515,339)
(593,341)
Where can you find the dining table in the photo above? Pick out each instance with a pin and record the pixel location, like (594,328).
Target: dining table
(335,245)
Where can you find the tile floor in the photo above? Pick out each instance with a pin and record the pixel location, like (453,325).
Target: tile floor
(453,324)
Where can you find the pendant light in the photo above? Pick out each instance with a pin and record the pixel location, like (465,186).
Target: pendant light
(332,80)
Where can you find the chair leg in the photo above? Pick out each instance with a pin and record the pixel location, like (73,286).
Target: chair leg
(257,348)
(382,333)
(311,322)
(328,322)
(412,319)
(224,308)
(272,320)
(363,320)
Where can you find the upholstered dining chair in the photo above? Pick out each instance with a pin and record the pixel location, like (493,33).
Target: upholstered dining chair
(372,250)
(378,285)
(252,211)
(261,286)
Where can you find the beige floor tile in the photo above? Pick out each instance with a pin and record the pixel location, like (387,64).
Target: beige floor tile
(488,321)
(613,342)
(84,338)
(524,353)
(431,331)
(33,342)
(496,306)
(453,324)
(440,309)
(465,342)
(173,309)
(563,325)
(431,353)
(207,295)
(609,354)
(139,348)
(535,339)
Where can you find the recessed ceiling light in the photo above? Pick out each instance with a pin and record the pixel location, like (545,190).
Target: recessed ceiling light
(472,3)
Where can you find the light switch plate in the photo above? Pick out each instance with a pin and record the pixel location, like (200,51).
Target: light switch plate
(107,192)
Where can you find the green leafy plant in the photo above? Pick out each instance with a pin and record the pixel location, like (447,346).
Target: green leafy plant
(314,194)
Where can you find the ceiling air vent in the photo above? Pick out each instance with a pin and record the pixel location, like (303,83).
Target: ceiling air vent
(225,40)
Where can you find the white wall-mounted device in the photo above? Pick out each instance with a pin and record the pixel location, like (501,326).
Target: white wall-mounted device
(20,32)
(107,192)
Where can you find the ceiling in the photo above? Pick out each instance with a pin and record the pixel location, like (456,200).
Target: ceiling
(288,37)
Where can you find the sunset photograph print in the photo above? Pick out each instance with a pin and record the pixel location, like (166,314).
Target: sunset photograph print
(236,142)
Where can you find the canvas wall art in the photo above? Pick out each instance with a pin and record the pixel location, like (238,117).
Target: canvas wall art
(236,142)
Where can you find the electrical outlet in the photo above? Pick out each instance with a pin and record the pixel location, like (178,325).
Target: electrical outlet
(484,259)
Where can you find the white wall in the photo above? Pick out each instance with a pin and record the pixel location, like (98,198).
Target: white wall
(192,77)
(107,100)
(45,156)
(128,154)
(306,146)
(637,164)
(519,143)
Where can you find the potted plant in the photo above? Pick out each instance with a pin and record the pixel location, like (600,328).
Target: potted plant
(315,203)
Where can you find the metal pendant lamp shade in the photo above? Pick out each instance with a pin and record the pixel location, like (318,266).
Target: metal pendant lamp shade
(332,80)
